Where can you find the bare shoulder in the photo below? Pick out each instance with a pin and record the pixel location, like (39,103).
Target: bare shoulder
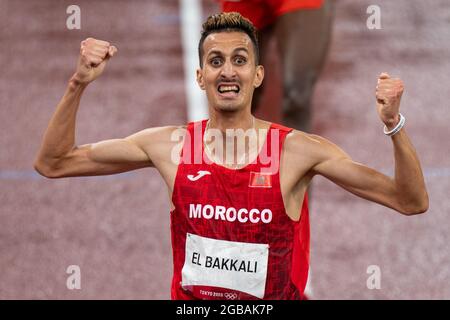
(157,142)
(302,144)
(310,149)
(158,135)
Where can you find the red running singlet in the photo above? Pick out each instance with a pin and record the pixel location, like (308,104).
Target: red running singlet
(231,235)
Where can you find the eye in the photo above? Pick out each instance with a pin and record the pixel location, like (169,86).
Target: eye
(239,60)
(216,61)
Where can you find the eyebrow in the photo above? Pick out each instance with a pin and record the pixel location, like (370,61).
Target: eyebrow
(235,50)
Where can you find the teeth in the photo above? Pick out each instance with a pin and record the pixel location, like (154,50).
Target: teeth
(228,88)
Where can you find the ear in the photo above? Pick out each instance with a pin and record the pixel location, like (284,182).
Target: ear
(200,79)
(259,76)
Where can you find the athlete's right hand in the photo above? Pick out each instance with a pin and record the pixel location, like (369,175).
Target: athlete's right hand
(92,60)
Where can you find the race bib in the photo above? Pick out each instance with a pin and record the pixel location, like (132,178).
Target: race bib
(226,264)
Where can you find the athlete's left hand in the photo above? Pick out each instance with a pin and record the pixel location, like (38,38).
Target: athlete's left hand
(388,93)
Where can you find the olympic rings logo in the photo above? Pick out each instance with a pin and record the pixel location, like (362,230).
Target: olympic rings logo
(230,296)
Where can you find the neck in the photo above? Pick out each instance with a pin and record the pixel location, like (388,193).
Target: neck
(231,120)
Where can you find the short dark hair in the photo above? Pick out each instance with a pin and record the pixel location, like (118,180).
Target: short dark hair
(228,22)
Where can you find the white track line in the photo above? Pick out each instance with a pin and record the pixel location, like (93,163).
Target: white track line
(191,21)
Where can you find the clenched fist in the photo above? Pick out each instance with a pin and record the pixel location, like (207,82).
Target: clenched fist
(92,60)
(388,93)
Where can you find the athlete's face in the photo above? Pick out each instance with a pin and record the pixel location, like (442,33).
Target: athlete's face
(229,74)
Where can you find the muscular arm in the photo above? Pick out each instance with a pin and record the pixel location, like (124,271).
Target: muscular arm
(59,156)
(405,193)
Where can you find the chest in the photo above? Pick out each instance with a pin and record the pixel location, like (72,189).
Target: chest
(249,187)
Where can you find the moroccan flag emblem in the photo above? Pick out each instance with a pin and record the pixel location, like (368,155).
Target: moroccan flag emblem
(260,180)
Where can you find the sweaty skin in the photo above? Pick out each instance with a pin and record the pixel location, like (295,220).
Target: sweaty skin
(228,60)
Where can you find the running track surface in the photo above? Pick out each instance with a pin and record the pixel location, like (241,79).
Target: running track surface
(117,228)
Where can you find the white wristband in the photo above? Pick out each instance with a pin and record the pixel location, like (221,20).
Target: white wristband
(397,128)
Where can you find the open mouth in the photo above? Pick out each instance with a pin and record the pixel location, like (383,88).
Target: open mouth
(230,90)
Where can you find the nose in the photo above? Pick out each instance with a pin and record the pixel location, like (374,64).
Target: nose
(228,71)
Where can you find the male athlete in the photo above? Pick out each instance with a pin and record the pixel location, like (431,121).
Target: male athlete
(302,29)
(238,228)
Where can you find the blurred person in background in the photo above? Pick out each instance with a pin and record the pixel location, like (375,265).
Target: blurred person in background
(302,29)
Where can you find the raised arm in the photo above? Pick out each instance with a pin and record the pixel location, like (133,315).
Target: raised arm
(58,155)
(406,192)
